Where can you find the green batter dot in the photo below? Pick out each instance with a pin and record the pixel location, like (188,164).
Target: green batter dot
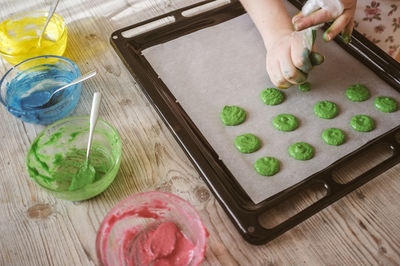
(285,122)
(267,166)
(247,143)
(305,86)
(385,104)
(232,115)
(326,109)
(301,151)
(362,123)
(333,136)
(272,96)
(357,93)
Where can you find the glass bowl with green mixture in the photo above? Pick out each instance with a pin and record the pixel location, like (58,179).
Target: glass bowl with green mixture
(56,159)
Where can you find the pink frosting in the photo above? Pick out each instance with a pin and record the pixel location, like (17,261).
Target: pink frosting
(161,245)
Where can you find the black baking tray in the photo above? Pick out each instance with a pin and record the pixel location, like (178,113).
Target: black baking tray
(239,207)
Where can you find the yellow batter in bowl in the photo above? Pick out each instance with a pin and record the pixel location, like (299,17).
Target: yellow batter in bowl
(19,36)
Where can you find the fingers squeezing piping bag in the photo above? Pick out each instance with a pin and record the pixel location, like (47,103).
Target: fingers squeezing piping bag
(334,7)
(309,36)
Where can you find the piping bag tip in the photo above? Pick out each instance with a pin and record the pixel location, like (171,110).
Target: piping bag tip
(309,36)
(346,38)
(316,58)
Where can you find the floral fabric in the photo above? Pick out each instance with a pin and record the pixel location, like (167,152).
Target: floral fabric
(379,21)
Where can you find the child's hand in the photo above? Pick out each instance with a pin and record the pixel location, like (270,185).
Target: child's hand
(343,22)
(289,61)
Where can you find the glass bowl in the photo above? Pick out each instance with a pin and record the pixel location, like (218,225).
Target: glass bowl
(19,36)
(41,73)
(133,232)
(59,151)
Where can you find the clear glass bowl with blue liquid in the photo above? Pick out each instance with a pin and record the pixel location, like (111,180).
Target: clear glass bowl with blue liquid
(49,73)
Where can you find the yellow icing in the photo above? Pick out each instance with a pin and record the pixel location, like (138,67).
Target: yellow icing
(19,37)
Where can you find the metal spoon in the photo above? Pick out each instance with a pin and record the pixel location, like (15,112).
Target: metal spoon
(49,15)
(94,114)
(86,173)
(41,98)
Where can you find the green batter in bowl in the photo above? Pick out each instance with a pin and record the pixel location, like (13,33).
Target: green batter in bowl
(59,151)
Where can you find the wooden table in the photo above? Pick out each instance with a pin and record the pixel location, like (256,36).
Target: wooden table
(38,229)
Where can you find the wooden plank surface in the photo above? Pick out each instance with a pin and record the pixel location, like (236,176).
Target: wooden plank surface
(38,229)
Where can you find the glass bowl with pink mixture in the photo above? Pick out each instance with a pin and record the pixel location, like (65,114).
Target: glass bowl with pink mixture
(152,228)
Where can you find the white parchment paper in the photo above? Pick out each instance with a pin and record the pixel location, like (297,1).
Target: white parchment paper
(225,65)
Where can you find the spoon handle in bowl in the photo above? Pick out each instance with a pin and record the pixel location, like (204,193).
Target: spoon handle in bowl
(94,114)
(49,15)
(80,79)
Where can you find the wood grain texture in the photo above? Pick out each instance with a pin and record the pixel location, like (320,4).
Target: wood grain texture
(38,229)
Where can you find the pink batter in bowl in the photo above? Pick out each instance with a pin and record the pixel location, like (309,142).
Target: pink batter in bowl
(151,228)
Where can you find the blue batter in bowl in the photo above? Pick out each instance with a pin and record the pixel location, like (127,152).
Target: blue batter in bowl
(41,73)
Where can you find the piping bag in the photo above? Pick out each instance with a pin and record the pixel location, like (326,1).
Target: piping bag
(309,36)
(334,7)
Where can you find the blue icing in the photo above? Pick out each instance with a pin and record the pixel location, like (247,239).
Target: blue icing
(36,99)
(29,87)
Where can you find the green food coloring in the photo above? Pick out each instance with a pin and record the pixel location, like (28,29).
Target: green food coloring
(72,171)
(85,176)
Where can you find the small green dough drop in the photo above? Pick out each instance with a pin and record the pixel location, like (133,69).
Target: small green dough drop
(362,123)
(285,122)
(385,104)
(272,96)
(305,86)
(333,136)
(247,143)
(232,115)
(357,93)
(301,151)
(326,109)
(267,166)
